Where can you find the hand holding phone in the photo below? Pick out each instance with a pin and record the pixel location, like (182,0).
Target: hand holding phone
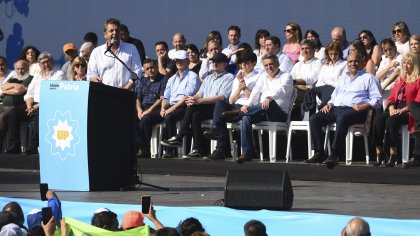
(46,214)
(145,204)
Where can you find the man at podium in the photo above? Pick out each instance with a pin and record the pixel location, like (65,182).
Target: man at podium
(111,62)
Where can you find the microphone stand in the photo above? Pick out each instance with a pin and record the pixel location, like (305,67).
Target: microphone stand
(136,181)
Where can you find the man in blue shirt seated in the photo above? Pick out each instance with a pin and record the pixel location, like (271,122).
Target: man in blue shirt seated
(216,86)
(149,91)
(357,92)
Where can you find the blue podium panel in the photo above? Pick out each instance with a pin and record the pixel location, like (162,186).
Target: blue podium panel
(63,135)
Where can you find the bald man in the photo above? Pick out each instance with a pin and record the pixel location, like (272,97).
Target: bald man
(338,34)
(178,41)
(356,227)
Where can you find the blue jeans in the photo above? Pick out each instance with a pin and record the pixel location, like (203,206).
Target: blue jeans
(254,115)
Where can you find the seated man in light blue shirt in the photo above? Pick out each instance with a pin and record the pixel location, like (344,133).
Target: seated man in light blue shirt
(216,86)
(357,92)
(179,87)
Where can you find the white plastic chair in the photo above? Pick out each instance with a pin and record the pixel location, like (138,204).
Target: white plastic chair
(354,130)
(157,135)
(299,125)
(273,128)
(405,143)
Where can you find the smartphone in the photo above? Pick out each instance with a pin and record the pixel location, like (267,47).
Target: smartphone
(43,189)
(46,214)
(145,204)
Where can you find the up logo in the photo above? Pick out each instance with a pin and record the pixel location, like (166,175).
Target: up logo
(62,135)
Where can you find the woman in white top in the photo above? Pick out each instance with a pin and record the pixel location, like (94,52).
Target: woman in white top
(372,48)
(330,73)
(401,34)
(31,54)
(260,37)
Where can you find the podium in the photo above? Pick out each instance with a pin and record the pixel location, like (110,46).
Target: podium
(87,136)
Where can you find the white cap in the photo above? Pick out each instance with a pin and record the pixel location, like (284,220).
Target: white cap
(180,55)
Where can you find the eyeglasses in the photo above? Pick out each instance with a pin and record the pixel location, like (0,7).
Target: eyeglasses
(363,37)
(80,65)
(290,31)
(396,31)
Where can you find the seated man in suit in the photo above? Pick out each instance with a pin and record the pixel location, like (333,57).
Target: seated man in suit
(357,92)
(269,100)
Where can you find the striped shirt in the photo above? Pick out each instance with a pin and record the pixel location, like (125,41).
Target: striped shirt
(215,85)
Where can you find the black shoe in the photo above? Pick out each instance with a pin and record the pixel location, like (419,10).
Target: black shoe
(143,154)
(167,155)
(172,142)
(194,154)
(392,161)
(216,155)
(211,134)
(414,162)
(332,161)
(31,151)
(14,150)
(380,160)
(243,158)
(230,116)
(316,158)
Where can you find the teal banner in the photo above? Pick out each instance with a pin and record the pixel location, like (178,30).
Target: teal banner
(63,135)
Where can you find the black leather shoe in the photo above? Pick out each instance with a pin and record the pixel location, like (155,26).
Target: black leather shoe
(216,155)
(380,160)
(231,115)
(211,133)
(414,162)
(14,150)
(392,161)
(316,158)
(243,158)
(332,161)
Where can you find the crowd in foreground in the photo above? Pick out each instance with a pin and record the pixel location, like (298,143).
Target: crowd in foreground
(344,82)
(12,223)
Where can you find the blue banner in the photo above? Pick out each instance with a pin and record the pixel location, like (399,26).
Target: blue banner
(63,135)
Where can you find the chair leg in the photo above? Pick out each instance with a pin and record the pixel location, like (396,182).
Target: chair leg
(405,139)
(288,148)
(154,142)
(310,151)
(273,141)
(326,141)
(261,144)
(349,147)
(160,127)
(366,148)
(231,141)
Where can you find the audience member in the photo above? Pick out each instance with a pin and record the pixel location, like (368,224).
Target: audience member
(178,41)
(414,107)
(206,69)
(270,100)
(356,227)
(242,86)
(372,48)
(406,89)
(78,69)
(150,88)
(272,46)
(33,220)
(167,231)
(254,228)
(13,91)
(195,62)
(5,73)
(319,49)
(166,66)
(415,44)
(70,52)
(183,84)
(211,36)
(31,54)
(85,50)
(16,210)
(216,86)
(104,68)
(234,36)
(105,219)
(368,64)
(401,34)
(91,37)
(260,38)
(356,93)
(30,110)
(338,34)
(189,226)
(294,36)
(125,37)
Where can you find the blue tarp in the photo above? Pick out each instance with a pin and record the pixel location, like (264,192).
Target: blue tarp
(221,221)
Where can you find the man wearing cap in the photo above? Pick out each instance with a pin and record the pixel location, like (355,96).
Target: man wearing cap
(70,52)
(273,46)
(103,65)
(216,86)
(242,86)
(149,91)
(269,100)
(180,86)
(178,41)
(133,219)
